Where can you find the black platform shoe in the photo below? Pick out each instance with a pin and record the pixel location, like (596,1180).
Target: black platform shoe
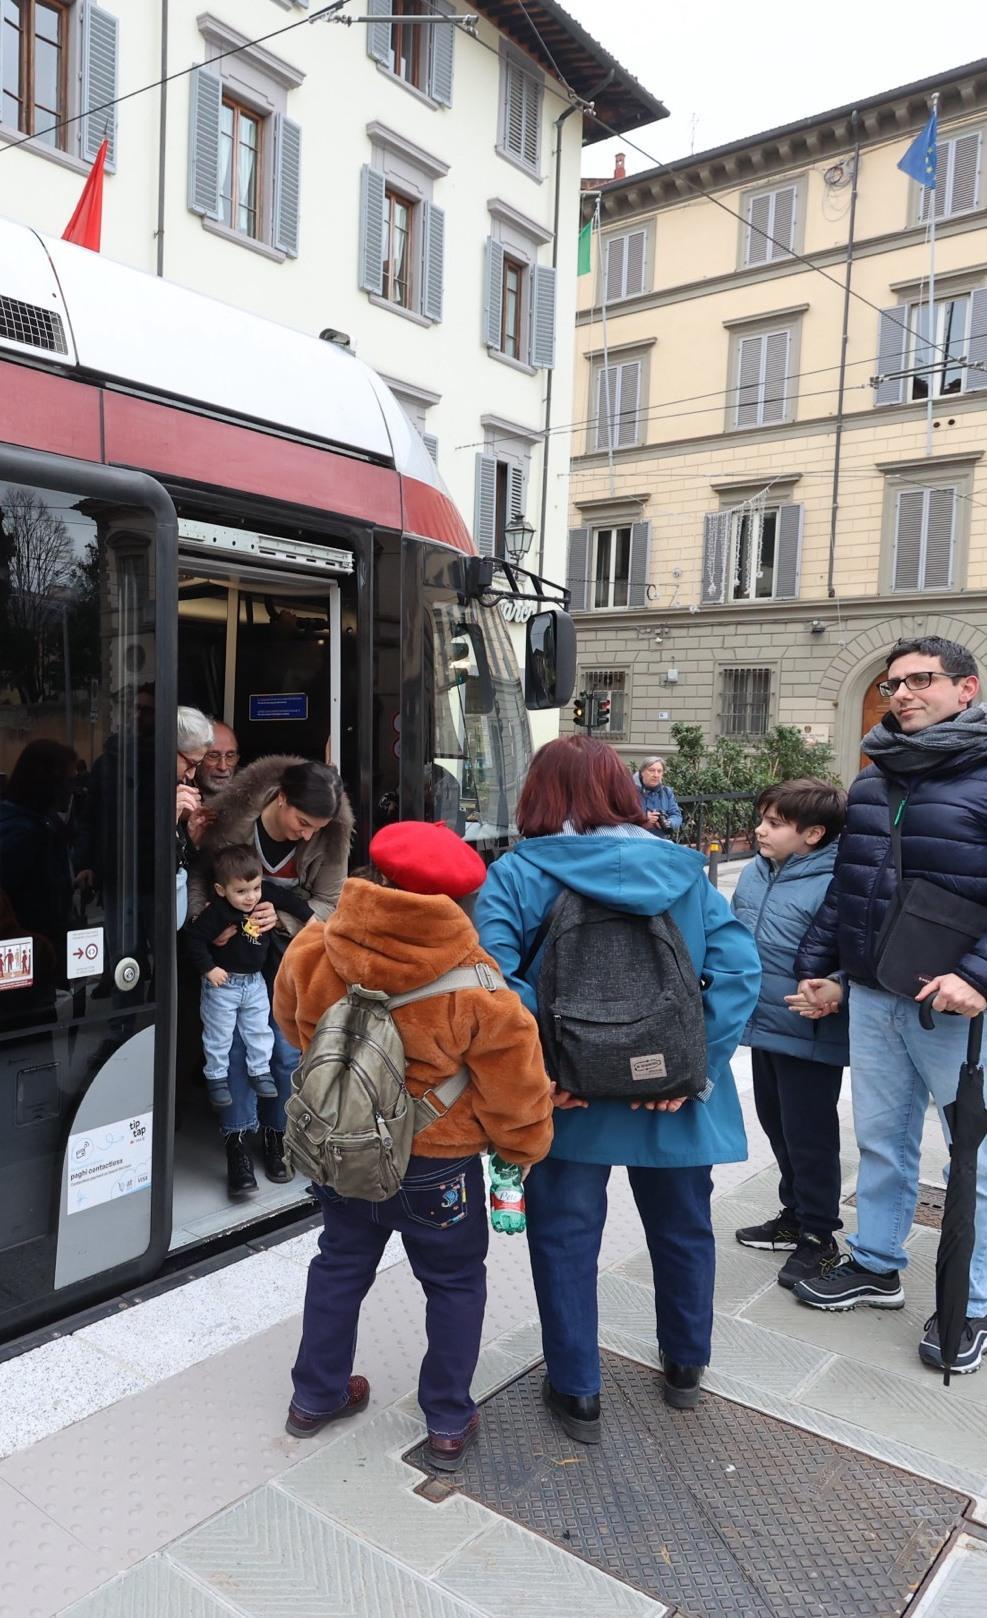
(272,1146)
(579,1415)
(240,1178)
(682,1384)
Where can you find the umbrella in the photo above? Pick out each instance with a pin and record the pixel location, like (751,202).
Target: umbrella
(967,1121)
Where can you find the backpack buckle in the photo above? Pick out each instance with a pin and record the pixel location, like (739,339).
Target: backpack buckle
(377,997)
(487,978)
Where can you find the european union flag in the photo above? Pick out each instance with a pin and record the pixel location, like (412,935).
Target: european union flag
(920,161)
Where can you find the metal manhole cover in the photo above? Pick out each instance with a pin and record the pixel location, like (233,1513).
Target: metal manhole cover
(928,1209)
(719,1512)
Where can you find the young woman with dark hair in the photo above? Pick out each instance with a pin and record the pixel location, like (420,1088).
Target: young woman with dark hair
(583,829)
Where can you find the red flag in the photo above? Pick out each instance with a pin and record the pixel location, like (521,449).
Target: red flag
(85,226)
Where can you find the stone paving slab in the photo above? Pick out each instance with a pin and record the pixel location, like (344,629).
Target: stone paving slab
(921,1414)
(510,1569)
(958,1588)
(155,1589)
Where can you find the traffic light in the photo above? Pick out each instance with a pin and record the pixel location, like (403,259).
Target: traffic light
(601,710)
(579,709)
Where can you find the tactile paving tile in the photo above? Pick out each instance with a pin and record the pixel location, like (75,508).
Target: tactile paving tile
(722,1512)
(42,1568)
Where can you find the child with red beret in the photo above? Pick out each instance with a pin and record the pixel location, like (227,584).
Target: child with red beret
(397,927)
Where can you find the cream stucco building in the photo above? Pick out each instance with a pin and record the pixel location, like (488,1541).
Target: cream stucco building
(746,536)
(411,187)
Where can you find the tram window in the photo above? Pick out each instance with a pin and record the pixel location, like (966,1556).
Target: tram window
(477,727)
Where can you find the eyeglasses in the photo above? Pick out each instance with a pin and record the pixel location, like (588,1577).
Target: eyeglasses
(189,760)
(915,682)
(221,758)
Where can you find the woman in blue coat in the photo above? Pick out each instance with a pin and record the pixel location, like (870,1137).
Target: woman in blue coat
(583,829)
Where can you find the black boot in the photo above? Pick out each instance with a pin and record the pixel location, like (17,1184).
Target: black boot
(579,1415)
(239,1165)
(682,1383)
(272,1145)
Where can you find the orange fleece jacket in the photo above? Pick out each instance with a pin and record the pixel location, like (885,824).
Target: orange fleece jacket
(384,938)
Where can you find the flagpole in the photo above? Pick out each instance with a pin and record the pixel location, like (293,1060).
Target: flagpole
(606,352)
(930,397)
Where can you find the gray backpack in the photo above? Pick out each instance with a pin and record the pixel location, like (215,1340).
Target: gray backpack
(351,1123)
(620,1007)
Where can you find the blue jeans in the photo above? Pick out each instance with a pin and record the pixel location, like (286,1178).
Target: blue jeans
(247,1111)
(567,1209)
(240,1005)
(895,1065)
(441,1213)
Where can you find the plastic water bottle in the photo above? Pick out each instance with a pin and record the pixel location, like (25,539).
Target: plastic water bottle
(506,1197)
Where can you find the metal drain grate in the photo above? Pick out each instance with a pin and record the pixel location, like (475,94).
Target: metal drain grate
(719,1512)
(928,1209)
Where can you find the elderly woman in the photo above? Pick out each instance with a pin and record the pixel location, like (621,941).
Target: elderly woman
(583,830)
(297,817)
(661,810)
(194,741)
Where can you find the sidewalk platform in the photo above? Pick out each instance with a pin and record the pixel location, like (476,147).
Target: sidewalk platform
(827,1474)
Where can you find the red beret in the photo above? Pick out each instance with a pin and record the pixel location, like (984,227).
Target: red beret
(426,857)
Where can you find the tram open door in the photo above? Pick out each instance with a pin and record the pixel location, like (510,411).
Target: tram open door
(87,888)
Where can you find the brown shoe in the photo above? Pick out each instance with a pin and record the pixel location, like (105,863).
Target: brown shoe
(302,1425)
(446,1454)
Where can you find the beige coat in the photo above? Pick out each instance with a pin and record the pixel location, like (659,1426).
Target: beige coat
(322,861)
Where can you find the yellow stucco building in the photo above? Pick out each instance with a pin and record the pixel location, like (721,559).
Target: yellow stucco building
(747,536)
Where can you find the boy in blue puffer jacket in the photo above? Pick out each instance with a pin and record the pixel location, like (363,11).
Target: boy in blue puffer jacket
(798,1065)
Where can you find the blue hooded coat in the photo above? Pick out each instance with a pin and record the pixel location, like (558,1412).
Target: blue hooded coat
(778,904)
(645,876)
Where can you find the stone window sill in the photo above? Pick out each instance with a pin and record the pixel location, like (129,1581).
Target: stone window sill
(216,228)
(65,160)
(518,163)
(514,365)
(398,309)
(412,89)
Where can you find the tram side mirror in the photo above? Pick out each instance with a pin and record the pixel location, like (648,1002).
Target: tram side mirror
(469,669)
(550,660)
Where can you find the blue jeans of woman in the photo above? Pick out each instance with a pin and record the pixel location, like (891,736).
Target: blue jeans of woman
(441,1214)
(567,1210)
(247,1111)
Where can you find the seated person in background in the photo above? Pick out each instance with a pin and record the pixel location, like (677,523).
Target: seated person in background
(234,991)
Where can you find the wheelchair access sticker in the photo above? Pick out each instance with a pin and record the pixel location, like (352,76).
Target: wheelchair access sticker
(110,1161)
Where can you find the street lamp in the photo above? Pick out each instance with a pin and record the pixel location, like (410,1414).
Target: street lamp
(518,537)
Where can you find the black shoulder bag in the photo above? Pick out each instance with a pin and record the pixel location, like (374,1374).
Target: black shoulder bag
(927,930)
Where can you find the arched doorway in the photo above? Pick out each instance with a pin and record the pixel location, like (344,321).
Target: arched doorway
(872,710)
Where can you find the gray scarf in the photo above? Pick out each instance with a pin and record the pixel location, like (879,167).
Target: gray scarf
(951,740)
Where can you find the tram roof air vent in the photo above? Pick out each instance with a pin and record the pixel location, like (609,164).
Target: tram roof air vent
(32,326)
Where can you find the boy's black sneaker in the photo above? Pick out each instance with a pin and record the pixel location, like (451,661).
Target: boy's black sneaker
(807,1260)
(843,1283)
(973,1346)
(778,1235)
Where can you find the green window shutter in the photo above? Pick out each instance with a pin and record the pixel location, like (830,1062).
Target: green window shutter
(433,259)
(205,102)
(100,38)
(372,204)
(485,505)
(493,299)
(637,572)
(788,550)
(287,184)
(379,33)
(441,54)
(577,580)
(543,280)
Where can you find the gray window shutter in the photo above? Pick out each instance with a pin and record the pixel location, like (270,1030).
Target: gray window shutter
(99,83)
(287,184)
(485,505)
(788,550)
(966,173)
(634,263)
(976,347)
(532,120)
(774,401)
(783,225)
(759,220)
(637,573)
(371,230)
(616,262)
(749,358)
(577,580)
(205,101)
(938,571)
(940,194)
(515,490)
(908,539)
(513,108)
(432,445)
(606,400)
(543,316)
(379,33)
(628,423)
(892,343)
(433,259)
(716,554)
(493,299)
(441,55)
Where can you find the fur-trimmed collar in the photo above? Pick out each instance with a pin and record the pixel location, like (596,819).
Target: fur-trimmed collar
(238,805)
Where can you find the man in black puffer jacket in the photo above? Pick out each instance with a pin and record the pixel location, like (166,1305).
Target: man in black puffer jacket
(933,746)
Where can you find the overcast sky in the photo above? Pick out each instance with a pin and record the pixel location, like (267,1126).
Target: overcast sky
(726,68)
